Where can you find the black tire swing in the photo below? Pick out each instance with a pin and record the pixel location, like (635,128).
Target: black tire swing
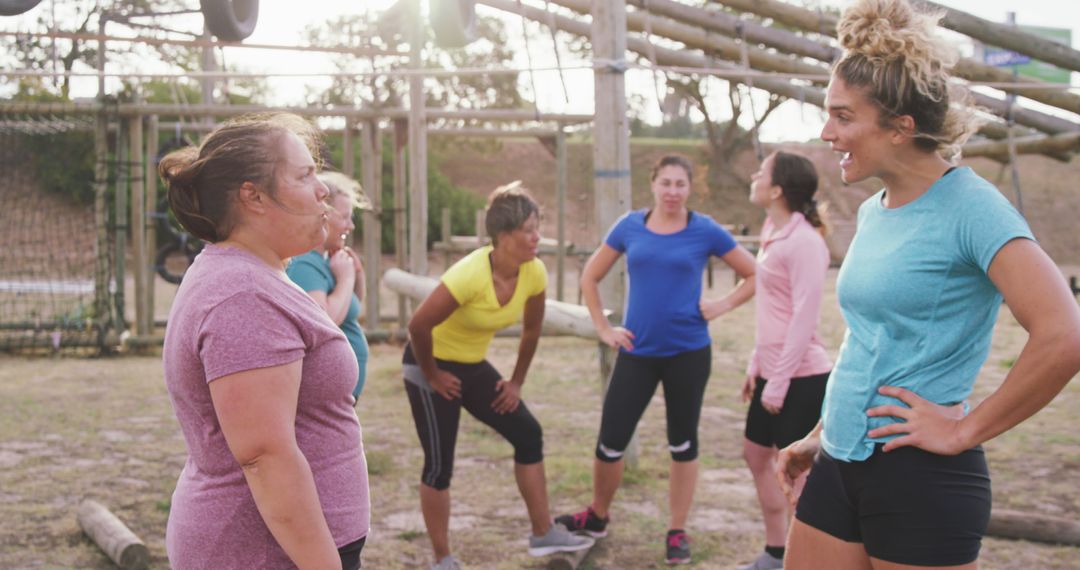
(16,7)
(230,20)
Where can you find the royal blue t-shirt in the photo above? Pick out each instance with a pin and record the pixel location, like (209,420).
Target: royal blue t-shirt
(662,307)
(311,272)
(919,306)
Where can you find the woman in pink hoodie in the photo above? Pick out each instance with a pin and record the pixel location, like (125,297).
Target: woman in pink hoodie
(785,381)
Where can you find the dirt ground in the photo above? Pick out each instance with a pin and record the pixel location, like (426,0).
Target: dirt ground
(102,428)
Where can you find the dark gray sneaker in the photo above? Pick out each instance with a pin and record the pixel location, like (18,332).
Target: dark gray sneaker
(678,547)
(586,522)
(558,539)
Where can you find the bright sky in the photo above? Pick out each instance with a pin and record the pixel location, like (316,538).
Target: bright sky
(284,22)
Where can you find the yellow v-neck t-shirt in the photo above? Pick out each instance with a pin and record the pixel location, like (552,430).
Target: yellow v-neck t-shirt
(466,334)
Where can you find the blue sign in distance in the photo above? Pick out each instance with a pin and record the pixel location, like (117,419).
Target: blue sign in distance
(1004,58)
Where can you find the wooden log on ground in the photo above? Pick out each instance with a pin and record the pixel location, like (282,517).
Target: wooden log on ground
(112,536)
(559,317)
(569,560)
(1038,528)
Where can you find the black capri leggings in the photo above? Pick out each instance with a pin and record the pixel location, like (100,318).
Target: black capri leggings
(437,418)
(633,383)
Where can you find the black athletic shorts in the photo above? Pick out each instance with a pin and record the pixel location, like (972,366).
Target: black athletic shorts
(799,415)
(907,506)
(350,554)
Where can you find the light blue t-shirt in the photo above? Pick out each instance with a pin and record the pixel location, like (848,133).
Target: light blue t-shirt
(311,272)
(663,305)
(919,306)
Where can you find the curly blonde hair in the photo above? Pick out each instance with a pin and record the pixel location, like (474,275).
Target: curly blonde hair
(892,51)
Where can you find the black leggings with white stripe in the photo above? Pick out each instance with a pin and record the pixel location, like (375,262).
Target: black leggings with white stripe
(633,383)
(437,418)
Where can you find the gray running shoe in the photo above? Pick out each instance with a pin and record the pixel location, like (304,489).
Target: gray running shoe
(447,563)
(558,539)
(765,561)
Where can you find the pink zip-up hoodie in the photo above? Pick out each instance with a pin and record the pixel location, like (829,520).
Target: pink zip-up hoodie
(790,280)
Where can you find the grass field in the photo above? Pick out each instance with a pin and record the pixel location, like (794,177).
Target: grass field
(103,428)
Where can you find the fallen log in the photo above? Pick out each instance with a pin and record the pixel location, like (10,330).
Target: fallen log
(559,317)
(112,536)
(1038,528)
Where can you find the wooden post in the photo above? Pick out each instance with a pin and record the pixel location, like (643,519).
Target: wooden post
(371,169)
(138,222)
(111,535)
(418,190)
(348,161)
(150,230)
(560,206)
(101,223)
(446,237)
(401,230)
(611,153)
(481,227)
(120,217)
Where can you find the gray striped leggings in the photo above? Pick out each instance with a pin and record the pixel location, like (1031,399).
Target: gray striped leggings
(437,418)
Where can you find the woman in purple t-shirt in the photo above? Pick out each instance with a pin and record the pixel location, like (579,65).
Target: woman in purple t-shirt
(258,374)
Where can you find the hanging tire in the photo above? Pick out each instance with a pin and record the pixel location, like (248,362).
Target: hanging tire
(230,20)
(454,22)
(174,258)
(16,7)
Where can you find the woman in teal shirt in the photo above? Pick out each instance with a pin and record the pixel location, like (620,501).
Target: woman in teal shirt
(332,273)
(899,477)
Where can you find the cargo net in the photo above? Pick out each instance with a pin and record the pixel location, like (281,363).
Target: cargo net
(50,262)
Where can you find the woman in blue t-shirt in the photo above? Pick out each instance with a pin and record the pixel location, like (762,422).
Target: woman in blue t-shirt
(899,478)
(664,339)
(332,273)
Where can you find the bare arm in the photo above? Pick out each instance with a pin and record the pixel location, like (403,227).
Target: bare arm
(532,323)
(1042,303)
(436,308)
(744,265)
(257,413)
(336,303)
(595,269)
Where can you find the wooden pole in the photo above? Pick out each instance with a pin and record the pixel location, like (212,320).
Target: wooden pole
(717,46)
(1025,145)
(150,228)
(729,24)
(102,269)
(560,205)
(825,23)
(371,169)
(348,160)
(611,156)
(445,226)
(401,230)
(120,216)
(418,190)
(138,223)
(111,535)
(1040,528)
(481,227)
(559,318)
(1008,37)
(807,94)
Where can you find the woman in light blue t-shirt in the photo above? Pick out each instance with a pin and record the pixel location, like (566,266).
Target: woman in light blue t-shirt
(332,274)
(899,475)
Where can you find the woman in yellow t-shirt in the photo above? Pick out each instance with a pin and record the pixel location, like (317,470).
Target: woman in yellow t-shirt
(445,368)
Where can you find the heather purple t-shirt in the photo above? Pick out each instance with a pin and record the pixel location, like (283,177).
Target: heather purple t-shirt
(234,313)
